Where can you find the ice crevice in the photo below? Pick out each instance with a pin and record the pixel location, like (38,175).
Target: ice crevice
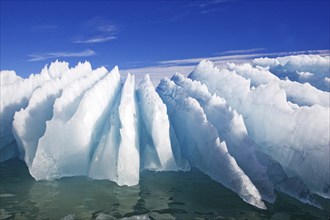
(243,125)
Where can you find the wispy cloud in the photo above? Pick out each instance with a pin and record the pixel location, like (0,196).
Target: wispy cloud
(100,31)
(209,6)
(240,55)
(206,11)
(108,28)
(194,61)
(253,50)
(95,40)
(55,55)
(206,4)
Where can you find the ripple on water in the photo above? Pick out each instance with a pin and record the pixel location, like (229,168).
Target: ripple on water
(160,195)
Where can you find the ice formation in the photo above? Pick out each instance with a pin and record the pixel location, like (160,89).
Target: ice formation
(313,69)
(255,128)
(295,136)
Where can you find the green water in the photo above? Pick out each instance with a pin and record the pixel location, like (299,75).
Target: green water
(162,195)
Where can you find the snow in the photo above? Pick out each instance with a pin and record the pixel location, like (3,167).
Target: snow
(255,128)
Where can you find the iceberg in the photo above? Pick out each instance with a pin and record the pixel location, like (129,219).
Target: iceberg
(232,130)
(39,110)
(9,77)
(297,93)
(246,126)
(15,95)
(66,149)
(297,137)
(202,146)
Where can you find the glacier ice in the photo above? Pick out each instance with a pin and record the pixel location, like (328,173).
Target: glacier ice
(232,130)
(9,77)
(66,150)
(298,93)
(255,128)
(15,96)
(298,138)
(202,145)
(157,153)
(314,69)
(128,153)
(39,110)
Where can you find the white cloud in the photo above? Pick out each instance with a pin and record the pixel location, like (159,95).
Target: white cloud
(54,55)
(209,6)
(206,4)
(206,11)
(230,58)
(107,28)
(95,40)
(253,50)
(100,31)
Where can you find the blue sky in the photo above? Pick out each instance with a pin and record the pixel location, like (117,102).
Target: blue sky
(136,34)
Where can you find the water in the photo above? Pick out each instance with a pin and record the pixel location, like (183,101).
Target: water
(162,195)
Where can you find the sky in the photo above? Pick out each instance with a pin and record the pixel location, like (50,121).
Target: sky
(148,35)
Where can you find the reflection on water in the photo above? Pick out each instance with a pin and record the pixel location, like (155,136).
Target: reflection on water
(167,195)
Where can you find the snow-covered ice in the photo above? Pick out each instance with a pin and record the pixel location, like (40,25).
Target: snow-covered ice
(255,127)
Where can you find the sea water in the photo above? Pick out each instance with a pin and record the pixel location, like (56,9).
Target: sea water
(159,195)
